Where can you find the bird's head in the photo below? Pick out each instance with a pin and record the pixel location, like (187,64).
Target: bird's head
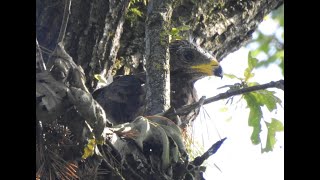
(193,60)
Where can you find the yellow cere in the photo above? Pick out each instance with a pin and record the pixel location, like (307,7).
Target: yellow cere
(207,68)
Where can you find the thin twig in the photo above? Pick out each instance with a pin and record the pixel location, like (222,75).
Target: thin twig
(112,169)
(40,62)
(185,109)
(195,106)
(125,164)
(65,19)
(46,50)
(109,166)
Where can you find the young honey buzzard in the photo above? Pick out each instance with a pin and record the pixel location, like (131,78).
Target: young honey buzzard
(124,99)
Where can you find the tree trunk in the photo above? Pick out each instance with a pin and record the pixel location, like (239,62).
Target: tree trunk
(93,32)
(157,56)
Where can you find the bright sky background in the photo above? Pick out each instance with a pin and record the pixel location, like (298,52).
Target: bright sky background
(237,157)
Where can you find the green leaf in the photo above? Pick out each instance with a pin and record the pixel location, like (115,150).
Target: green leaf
(136,11)
(260,37)
(184,28)
(255,117)
(255,53)
(281,65)
(273,127)
(174,31)
(252,62)
(176,38)
(265,97)
(276,125)
(280,54)
(247,74)
(255,136)
(265,46)
(232,76)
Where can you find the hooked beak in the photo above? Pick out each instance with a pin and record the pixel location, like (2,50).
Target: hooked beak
(218,72)
(211,68)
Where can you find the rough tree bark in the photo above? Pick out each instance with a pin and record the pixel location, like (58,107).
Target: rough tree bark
(93,32)
(94,29)
(101,38)
(221,26)
(157,56)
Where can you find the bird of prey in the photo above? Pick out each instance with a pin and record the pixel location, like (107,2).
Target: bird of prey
(124,99)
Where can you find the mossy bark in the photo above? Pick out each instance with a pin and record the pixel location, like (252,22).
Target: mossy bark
(158,56)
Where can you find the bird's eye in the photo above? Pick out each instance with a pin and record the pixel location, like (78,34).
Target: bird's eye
(188,55)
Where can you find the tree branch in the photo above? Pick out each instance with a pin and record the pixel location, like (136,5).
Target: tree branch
(40,65)
(106,47)
(157,56)
(185,109)
(65,19)
(230,24)
(278,84)
(120,9)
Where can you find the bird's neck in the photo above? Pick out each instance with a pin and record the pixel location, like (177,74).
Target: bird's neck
(182,89)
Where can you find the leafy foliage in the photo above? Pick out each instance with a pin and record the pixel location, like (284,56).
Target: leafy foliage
(252,62)
(254,117)
(175,32)
(265,97)
(232,76)
(270,47)
(273,127)
(255,101)
(134,11)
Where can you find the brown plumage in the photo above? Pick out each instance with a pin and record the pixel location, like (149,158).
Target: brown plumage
(123,99)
